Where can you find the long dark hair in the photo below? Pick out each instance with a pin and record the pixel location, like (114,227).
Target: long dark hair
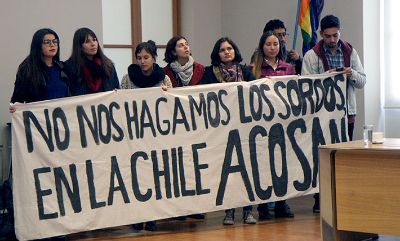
(259,58)
(170,49)
(78,57)
(33,68)
(216,60)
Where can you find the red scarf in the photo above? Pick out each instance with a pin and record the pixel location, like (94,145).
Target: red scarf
(93,80)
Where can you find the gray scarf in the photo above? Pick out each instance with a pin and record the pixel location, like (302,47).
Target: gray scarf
(184,72)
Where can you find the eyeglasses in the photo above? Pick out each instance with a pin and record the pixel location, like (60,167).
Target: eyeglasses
(48,42)
(284,34)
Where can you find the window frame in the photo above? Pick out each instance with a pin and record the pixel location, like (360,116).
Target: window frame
(136,27)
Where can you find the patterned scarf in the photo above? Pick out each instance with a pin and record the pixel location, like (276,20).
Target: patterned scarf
(228,74)
(184,72)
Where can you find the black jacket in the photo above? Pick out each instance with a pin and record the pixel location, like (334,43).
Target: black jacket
(24,90)
(78,85)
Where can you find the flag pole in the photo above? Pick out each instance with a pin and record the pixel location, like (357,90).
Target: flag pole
(296,26)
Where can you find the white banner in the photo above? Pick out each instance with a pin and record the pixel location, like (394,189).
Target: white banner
(129,156)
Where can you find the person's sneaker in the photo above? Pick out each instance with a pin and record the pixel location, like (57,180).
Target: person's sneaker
(248,218)
(137,226)
(283,211)
(315,208)
(271,206)
(151,226)
(229,218)
(264,215)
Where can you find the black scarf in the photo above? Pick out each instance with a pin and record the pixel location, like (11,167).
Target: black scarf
(144,81)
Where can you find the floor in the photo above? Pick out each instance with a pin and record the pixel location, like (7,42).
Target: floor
(304,227)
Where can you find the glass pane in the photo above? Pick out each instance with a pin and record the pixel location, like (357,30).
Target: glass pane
(116,21)
(157,20)
(160,58)
(122,58)
(391,51)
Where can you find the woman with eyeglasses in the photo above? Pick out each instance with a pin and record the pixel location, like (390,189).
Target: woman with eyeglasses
(41,75)
(269,61)
(90,70)
(225,67)
(181,68)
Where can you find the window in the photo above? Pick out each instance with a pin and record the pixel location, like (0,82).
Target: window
(126,23)
(391,51)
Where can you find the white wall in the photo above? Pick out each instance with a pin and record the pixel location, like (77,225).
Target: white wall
(19,19)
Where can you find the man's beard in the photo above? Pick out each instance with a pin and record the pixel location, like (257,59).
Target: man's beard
(332,46)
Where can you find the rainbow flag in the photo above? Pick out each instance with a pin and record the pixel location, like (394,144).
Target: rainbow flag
(309,15)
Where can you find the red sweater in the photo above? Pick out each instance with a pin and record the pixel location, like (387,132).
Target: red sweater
(198,71)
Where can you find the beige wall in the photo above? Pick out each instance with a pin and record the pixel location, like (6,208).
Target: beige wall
(201,24)
(19,19)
